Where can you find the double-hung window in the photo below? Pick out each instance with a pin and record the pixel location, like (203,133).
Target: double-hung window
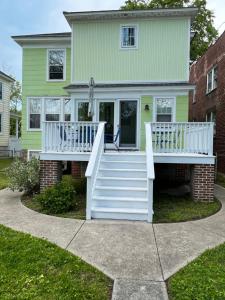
(1,91)
(212,78)
(34,109)
(52,109)
(128,36)
(56,64)
(164,109)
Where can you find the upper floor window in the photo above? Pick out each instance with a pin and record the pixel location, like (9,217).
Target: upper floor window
(164,109)
(56,64)
(128,36)
(1,91)
(34,109)
(212,78)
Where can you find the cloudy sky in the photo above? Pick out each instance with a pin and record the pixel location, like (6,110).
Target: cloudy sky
(19,17)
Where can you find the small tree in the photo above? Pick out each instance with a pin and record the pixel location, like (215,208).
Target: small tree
(24,176)
(15,96)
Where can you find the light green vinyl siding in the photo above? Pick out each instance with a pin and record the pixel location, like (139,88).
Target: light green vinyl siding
(147,116)
(35,84)
(162,53)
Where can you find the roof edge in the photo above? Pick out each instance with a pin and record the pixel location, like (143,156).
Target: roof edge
(7,77)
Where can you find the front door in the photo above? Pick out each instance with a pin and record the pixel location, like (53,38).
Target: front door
(128,123)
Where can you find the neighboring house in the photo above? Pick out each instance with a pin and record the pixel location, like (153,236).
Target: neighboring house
(5,88)
(208,101)
(140,64)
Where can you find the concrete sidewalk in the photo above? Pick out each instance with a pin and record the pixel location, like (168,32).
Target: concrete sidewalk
(138,256)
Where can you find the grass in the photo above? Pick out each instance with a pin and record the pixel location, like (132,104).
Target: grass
(177,209)
(202,279)
(32,268)
(220,179)
(4,163)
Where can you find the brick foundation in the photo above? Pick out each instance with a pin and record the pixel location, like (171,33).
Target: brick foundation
(78,169)
(202,181)
(50,173)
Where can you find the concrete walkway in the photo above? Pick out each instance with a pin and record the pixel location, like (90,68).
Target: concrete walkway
(138,256)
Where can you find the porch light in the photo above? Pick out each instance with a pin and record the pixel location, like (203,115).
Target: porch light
(147,107)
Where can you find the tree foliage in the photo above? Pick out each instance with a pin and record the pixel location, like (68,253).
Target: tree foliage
(15,96)
(205,32)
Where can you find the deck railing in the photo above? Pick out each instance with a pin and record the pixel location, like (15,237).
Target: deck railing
(68,136)
(182,137)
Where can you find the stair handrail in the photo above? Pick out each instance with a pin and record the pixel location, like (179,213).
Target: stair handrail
(150,169)
(93,165)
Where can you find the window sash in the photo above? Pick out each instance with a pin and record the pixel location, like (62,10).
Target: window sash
(212,78)
(52,109)
(128,36)
(56,69)
(164,109)
(34,108)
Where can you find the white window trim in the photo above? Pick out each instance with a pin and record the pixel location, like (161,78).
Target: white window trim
(43,105)
(64,65)
(213,88)
(1,83)
(136,37)
(173,107)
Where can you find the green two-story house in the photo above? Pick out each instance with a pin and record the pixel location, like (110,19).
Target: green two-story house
(112,95)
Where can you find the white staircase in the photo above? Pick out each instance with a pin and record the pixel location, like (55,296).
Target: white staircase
(120,190)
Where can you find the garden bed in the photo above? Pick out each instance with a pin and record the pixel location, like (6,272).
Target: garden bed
(32,268)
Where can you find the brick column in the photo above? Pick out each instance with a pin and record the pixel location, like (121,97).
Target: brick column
(202,181)
(76,169)
(50,173)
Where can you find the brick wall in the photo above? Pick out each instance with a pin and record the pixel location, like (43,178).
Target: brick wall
(202,182)
(213,101)
(78,168)
(50,173)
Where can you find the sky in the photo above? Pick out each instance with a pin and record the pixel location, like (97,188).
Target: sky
(18,17)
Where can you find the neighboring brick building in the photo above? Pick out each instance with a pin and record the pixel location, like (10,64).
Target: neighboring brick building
(208,101)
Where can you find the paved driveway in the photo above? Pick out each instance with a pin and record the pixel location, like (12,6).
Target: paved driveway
(137,255)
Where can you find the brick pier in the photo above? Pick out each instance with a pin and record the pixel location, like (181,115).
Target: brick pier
(50,173)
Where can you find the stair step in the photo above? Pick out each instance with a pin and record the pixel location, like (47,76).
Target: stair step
(122,178)
(123,170)
(124,161)
(120,188)
(121,210)
(126,173)
(128,199)
(125,156)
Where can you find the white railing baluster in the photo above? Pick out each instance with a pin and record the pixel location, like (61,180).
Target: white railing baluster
(182,137)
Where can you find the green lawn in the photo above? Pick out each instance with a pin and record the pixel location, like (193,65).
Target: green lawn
(176,209)
(202,279)
(4,163)
(32,268)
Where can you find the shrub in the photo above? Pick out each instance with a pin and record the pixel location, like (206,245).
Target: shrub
(79,184)
(58,198)
(24,176)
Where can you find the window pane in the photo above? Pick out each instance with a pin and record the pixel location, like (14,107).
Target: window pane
(35,106)
(83,112)
(128,36)
(56,64)
(209,87)
(52,109)
(164,118)
(35,121)
(1,91)
(164,109)
(215,77)
(67,109)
